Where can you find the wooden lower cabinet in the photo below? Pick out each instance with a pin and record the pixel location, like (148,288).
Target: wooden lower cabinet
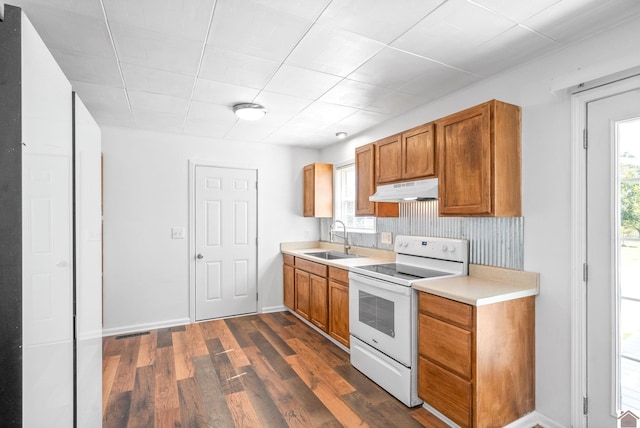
(319,294)
(288,286)
(318,301)
(476,365)
(303,285)
(339,305)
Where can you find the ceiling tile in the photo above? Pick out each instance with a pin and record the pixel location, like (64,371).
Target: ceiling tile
(360,121)
(308,9)
(573,20)
(251,131)
(392,68)
(107,105)
(302,137)
(301,82)
(251,28)
(508,49)
(101,70)
(67,31)
(235,68)
(90,8)
(395,103)
(332,50)
(325,113)
(157,81)
(354,94)
(281,107)
(150,102)
(223,93)
(184,19)
(158,121)
(517,10)
(378,20)
(438,81)
(209,119)
(452,31)
(156,50)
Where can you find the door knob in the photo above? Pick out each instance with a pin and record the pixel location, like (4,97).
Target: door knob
(200,256)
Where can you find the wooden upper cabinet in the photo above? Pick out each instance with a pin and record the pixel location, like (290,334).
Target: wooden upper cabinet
(366,185)
(419,152)
(388,159)
(479,157)
(407,156)
(318,190)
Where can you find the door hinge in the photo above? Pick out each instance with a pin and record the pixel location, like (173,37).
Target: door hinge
(585,272)
(585,139)
(585,405)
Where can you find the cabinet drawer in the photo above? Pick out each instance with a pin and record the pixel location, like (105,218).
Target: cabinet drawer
(311,267)
(455,312)
(446,344)
(445,391)
(288,259)
(339,275)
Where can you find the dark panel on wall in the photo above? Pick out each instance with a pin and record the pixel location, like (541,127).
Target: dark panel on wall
(10,219)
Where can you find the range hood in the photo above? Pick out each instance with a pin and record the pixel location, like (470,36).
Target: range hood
(407,192)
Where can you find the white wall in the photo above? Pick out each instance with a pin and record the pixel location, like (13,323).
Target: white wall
(546,186)
(146,183)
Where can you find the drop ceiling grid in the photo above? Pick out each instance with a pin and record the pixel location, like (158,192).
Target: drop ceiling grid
(319,67)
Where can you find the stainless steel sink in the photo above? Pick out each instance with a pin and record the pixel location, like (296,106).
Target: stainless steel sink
(332,255)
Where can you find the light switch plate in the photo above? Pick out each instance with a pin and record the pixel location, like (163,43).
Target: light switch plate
(386,237)
(177,233)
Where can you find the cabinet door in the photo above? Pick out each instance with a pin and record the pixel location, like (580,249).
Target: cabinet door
(339,312)
(388,159)
(446,392)
(366,185)
(365,180)
(309,191)
(302,293)
(288,286)
(318,301)
(465,168)
(419,152)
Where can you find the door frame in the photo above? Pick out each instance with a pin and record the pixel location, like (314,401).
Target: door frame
(580,98)
(193,163)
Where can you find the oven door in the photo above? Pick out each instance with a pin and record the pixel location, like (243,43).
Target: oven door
(380,315)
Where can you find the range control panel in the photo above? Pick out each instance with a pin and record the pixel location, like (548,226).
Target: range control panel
(438,248)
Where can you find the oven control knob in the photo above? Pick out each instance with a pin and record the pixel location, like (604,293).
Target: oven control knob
(404,244)
(452,249)
(444,248)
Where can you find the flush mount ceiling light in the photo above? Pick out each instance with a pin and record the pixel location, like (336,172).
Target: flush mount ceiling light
(341,135)
(249,111)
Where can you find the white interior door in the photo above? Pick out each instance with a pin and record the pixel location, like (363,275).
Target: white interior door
(613,258)
(225,241)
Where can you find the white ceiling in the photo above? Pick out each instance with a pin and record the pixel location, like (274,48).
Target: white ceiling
(318,66)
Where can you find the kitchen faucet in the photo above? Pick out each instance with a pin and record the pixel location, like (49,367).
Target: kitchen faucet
(345,237)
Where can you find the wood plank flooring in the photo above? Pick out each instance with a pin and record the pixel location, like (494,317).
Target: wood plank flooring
(267,370)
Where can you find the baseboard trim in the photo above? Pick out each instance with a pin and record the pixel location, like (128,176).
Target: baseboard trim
(144,327)
(532,419)
(270,309)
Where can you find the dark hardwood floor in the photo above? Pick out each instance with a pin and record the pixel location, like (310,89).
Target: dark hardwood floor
(267,370)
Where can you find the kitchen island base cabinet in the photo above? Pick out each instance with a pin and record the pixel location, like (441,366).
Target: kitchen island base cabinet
(476,364)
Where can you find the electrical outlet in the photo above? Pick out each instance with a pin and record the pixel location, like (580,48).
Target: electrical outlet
(386,237)
(177,233)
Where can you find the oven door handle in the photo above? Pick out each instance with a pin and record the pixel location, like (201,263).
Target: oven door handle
(384,285)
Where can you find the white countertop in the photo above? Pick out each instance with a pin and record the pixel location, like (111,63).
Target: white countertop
(484,285)
(367,256)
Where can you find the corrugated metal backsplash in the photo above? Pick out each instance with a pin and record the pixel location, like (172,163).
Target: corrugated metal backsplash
(492,241)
